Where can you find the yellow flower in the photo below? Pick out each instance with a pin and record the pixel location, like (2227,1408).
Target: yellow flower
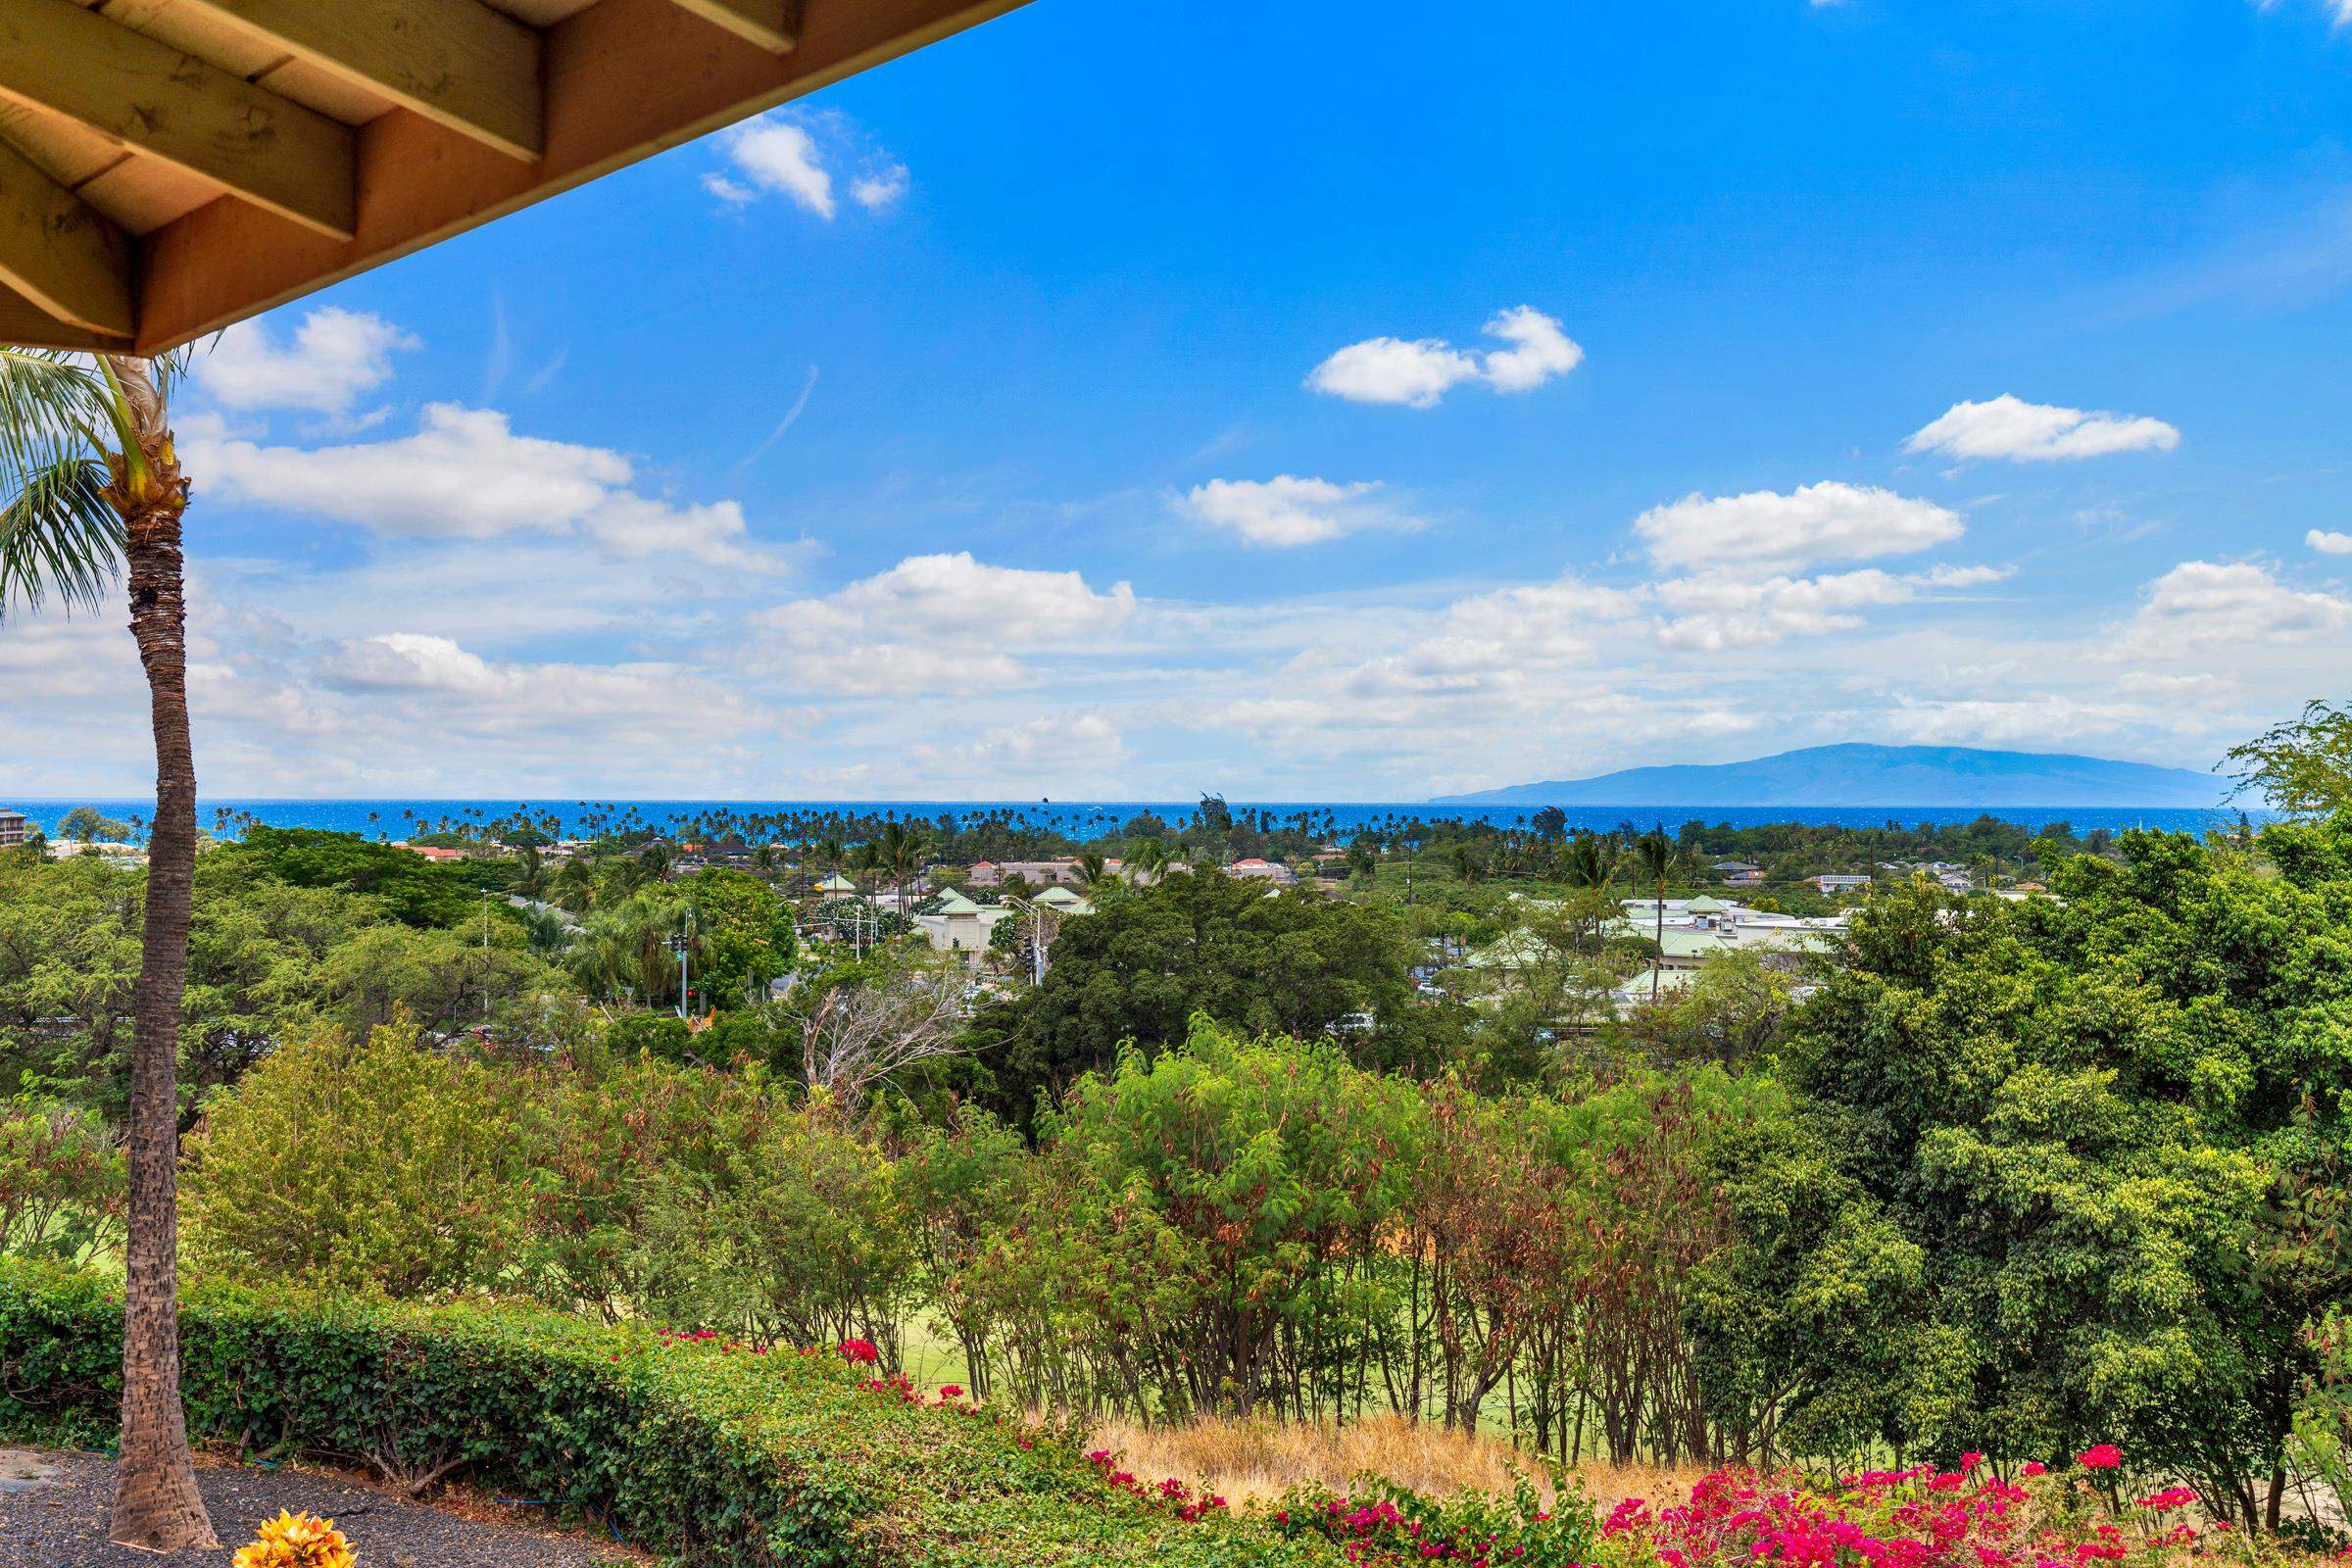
(297,1541)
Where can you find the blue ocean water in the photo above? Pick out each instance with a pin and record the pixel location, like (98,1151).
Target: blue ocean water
(396,818)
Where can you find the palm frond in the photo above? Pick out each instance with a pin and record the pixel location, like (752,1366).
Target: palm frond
(59,535)
(49,403)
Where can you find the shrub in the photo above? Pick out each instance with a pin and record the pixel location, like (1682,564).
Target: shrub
(692,1446)
(61,1177)
(367,1165)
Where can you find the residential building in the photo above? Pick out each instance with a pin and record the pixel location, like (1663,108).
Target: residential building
(1273,872)
(996,873)
(12,828)
(1839,883)
(957,925)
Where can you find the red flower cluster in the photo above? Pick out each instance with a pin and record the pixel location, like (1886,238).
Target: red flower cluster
(1381,1534)
(860,1351)
(1917,1518)
(1171,1494)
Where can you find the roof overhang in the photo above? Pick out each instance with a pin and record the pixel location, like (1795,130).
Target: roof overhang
(168,167)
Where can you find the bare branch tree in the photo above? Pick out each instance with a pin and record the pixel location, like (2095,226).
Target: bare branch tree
(863,1033)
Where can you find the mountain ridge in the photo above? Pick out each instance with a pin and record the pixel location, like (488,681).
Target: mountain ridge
(1859,773)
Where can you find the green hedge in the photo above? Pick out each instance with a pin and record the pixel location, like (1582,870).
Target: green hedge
(710,1455)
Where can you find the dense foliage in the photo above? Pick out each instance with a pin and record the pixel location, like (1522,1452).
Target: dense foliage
(1141,968)
(691,1447)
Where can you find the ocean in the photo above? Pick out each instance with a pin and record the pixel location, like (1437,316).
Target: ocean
(396,818)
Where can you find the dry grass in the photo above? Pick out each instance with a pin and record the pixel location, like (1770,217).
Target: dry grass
(1248,1461)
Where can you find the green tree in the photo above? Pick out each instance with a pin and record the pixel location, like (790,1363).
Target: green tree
(1139,968)
(2303,767)
(2108,1122)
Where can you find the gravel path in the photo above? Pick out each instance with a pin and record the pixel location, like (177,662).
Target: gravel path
(58,1520)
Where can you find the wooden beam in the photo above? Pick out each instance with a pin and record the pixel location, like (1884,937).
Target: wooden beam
(151,98)
(60,254)
(772,24)
(455,62)
(626,79)
(23,322)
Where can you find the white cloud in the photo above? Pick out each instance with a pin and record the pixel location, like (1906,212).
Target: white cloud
(2204,605)
(1418,372)
(794,153)
(331,360)
(465,475)
(880,187)
(1388,369)
(1539,350)
(2010,427)
(773,154)
(938,624)
(1289,510)
(2323,540)
(1711,612)
(1037,756)
(1764,530)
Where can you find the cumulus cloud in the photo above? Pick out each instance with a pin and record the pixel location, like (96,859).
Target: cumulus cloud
(1419,371)
(773,155)
(880,187)
(467,474)
(1539,350)
(938,624)
(1289,510)
(794,154)
(2009,428)
(2323,540)
(332,359)
(2204,605)
(1764,530)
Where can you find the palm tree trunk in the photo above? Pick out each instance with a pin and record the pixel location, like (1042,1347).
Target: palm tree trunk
(157,1506)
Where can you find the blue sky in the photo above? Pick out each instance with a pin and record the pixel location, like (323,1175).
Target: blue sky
(1309,408)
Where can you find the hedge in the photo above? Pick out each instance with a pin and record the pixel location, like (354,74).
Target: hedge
(710,1454)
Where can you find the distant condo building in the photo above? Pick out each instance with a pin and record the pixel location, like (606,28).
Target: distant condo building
(12,828)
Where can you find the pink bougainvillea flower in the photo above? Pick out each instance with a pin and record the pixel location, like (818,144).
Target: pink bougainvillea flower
(862,1351)
(2034,1467)
(2169,1499)
(2105,1457)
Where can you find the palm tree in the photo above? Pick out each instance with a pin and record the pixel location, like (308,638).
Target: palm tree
(92,490)
(1587,863)
(575,885)
(1095,875)
(1147,861)
(902,853)
(830,852)
(1656,862)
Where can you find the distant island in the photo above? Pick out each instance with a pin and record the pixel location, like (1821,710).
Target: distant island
(1858,774)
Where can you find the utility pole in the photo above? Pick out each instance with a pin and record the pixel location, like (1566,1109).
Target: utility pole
(682,945)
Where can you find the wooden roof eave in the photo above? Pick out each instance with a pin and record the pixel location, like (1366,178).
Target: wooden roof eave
(482,117)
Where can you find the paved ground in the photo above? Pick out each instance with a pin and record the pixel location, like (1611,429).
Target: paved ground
(53,1510)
